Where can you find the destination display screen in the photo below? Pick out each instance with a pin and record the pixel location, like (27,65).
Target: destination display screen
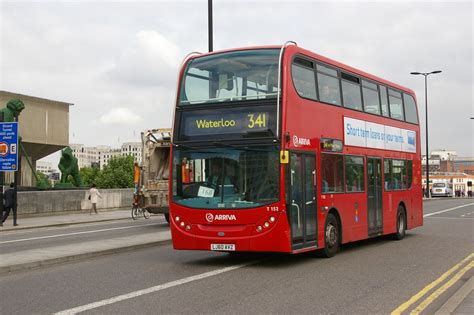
(228,123)
(331,145)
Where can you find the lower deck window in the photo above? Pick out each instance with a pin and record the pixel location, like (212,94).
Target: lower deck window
(398,174)
(354,173)
(332,177)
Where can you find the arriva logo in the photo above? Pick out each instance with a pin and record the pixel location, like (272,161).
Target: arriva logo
(220,217)
(300,141)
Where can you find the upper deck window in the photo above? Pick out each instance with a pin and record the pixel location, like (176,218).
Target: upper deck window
(351,91)
(396,105)
(410,109)
(384,101)
(231,76)
(371,97)
(302,73)
(328,85)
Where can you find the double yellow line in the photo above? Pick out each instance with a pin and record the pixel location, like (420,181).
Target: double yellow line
(439,291)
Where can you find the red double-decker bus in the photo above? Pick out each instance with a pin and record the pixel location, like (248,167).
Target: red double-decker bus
(280,149)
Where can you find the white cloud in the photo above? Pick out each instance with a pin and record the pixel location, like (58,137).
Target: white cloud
(150,60)
(68,51)
(120,115)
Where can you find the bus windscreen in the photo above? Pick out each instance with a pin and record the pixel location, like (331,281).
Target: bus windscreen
(226,178)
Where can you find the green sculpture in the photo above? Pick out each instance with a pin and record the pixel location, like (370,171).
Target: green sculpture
(68,166)
(14,107)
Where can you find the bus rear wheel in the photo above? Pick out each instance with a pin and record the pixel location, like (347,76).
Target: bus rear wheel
(331,237)
(401,224)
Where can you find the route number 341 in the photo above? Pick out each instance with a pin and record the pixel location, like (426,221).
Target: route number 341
(258,120)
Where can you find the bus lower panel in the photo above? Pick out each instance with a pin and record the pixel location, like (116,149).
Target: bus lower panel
(276,240)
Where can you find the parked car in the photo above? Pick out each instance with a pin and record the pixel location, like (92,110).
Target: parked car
(441,190)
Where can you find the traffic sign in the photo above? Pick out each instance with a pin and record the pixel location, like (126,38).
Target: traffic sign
(8,146)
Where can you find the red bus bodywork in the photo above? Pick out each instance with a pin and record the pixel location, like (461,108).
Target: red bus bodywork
(310,120)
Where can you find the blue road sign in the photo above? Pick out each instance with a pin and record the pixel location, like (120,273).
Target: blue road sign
(8,146)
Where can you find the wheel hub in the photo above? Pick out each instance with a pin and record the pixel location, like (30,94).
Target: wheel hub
(331,235)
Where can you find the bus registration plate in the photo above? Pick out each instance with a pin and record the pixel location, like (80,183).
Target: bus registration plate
(230,247)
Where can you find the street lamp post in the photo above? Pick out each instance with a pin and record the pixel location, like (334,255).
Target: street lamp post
(209,23)
(426,74)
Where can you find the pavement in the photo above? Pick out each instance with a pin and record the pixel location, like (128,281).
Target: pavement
(459,303)
(33,222)
(31,259)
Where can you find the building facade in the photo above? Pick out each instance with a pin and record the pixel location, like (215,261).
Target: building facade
(100,156)
(448,161)
(44,167)
(44,129)
(134,149)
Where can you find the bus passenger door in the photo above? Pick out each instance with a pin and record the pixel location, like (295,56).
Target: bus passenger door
(374,196)
(302,200)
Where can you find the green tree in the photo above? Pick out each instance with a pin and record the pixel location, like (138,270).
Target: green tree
(43,181)
(89,175)
(117,174)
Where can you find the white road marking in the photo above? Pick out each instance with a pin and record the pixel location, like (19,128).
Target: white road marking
(446,210)
(465,219)
(157,288)
(75,233)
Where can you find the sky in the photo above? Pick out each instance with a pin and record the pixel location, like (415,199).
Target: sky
(118,61)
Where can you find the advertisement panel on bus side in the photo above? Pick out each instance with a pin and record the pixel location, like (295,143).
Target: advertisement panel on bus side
(366,134)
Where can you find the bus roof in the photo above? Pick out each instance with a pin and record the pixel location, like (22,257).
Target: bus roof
(321,58)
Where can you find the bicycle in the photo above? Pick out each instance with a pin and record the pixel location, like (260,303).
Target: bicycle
(137,212)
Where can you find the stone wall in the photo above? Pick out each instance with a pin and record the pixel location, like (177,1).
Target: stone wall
(64,201)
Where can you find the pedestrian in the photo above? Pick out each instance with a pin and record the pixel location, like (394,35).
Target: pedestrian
(94,194)
(9,204)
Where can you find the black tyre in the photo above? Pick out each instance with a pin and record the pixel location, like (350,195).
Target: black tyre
(167,217)
(331,237)
(401,224)
(134,213)
(146,214)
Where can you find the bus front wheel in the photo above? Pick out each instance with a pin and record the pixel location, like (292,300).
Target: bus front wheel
(331,237)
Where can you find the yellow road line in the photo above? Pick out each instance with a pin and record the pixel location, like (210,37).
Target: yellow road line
(441,290)
(425,290)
